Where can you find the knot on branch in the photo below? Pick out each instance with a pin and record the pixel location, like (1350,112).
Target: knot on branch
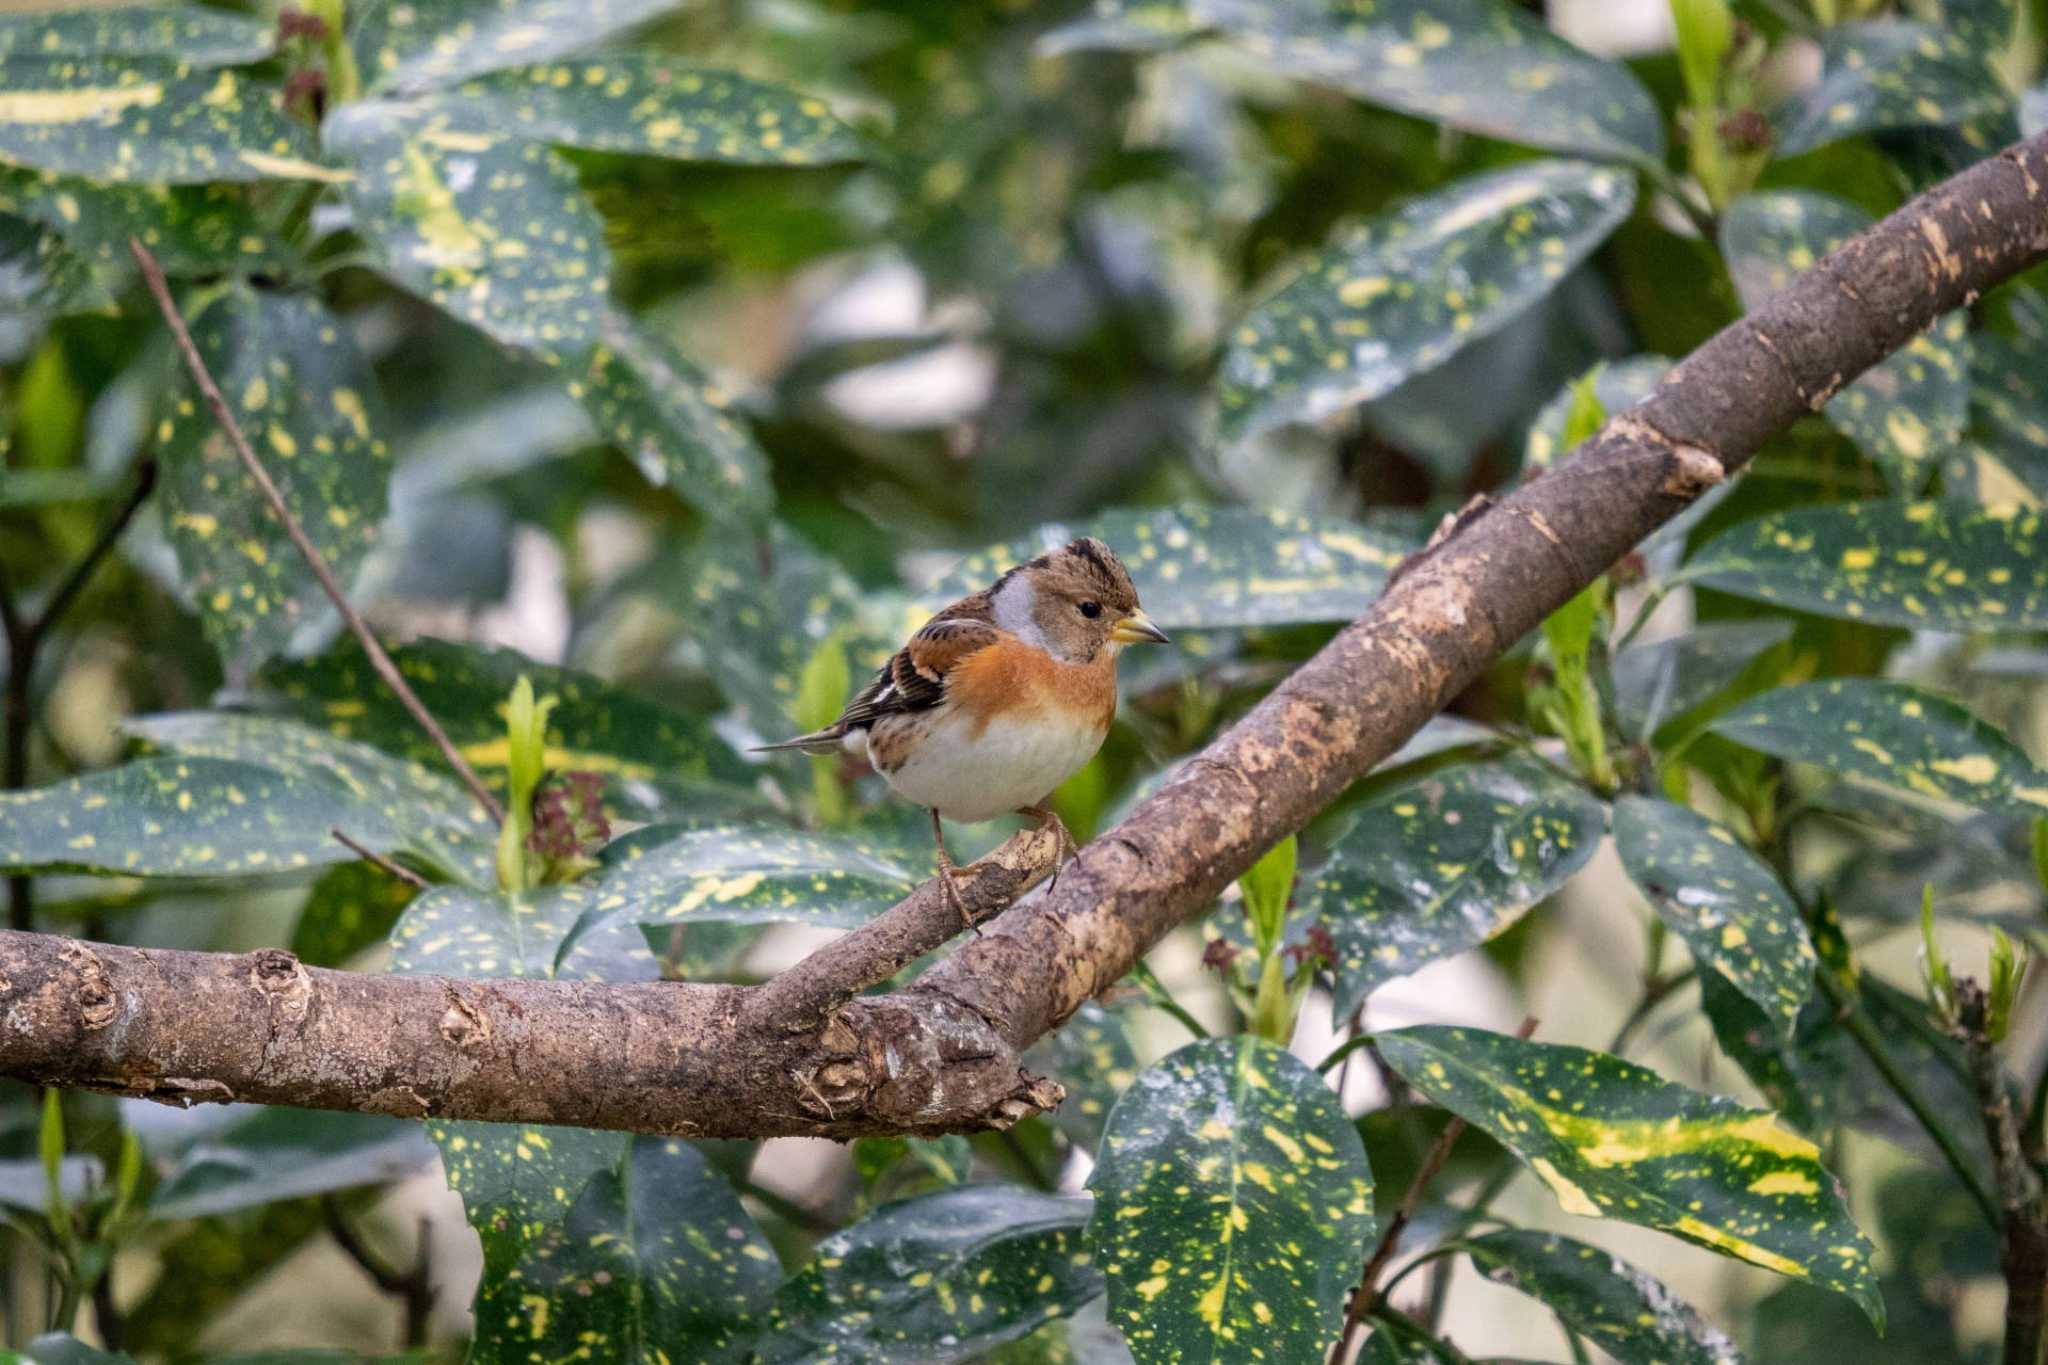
(94,993)
(282,977)
(1693,471)
(463,1024)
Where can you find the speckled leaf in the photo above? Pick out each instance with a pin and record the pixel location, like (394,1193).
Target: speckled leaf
(149,119)
(657,1262)
(1731,910)
(1443,864)
(1205,568)
(190,229)
(460,931)
(189,33)
(350,908)
(1655,682)
(1090,1054)
(1399,294)
(396,804)
(1626,1313)
(181,817)
(646,102)
(493,230)
(1909,409)
(41,273)
(1973,473)
(1891,74)
(1231,1195)
(1618,384)
(653,404)
(1893,734)
(429,43)
(310,407)
(1924,565)
(1616,1141)
(2009,396)
(1800,1077)
(939,1278)
(281,1153)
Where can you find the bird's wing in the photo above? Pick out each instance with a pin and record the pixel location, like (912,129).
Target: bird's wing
(915,679)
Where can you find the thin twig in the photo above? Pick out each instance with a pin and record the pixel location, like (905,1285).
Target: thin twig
(160,290)
(2023,1221)
(372,856)
(1654,994)
(415,1285)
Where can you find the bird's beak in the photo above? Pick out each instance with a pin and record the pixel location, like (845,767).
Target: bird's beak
(1137,628)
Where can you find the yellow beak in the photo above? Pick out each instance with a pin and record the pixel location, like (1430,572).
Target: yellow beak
(1137,628)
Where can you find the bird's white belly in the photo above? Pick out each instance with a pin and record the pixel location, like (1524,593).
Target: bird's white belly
(971,777)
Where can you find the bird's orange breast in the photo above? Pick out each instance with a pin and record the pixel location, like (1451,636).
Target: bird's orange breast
(1013,679)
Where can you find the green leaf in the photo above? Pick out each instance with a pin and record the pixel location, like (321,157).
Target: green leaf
(351,907)
(1909,409)
(44,487)
(1706,32)
(1655,682)
(656,1262)
(309,406)
(2009,396)
(1614,1140)
(1231,1198)
(279,1153)
(149,119)
(41,273)
(1890,74)
(490,229)
(191,34)
(1893,734)
(460,931)
(1445,863)
(190,229)
(182,817)
(1204,568)
(1801,1077)
(61,1348)
(991,1263)
(1940,565)
(1090,1054)
(430,43)
(1268,885)
(1404,291)
(1618,384)
(1629,1314)
(1731,910)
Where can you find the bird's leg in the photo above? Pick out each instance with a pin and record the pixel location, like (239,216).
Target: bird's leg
(948,870)
(1048,818)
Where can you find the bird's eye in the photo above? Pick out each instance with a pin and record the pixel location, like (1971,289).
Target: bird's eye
(1091,610)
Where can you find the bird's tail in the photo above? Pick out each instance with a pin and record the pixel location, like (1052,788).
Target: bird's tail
(825,741)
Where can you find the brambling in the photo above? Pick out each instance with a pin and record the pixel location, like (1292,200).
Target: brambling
(1000,697)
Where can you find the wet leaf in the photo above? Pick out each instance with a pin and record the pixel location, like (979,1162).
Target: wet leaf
(1091,1055)
(488,228)
(1204,568)
(181,817)
(1402,292)
(149,119)
(1891,74)
(1616,1141)
(1617,384)
(191,34)
(1231,1195)
(656,1262)
(1909,409)
(430,43)
(2009,396)
(351,907)
(1893,734)
(1625,1312)
(279,1153)
(190,229)
(1732,911)
(1941,565)
(1445,863)
(309,406)
(1655,682)
(993,1263)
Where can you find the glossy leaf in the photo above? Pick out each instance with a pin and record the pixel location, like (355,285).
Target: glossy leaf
(991,1264)
(490,229)
(280,1153)
(1909,409)
(1616,1141)
(1923,565)
(1655,682)
(1893,734)
(1732,911)
(1618,384)
(191,34)
(656,1262)
(149,119)
(42,274)
(2009,396)
(1401,293)
(1091,1055)
(430,43)
(1444,864)
(181,817)
(1890,74)
(1629,1314)
(1204,568)
(1231,1196)
(1801,1077)
(190,229)
(309,405)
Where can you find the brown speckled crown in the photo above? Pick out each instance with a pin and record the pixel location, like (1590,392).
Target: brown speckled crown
(1086,567)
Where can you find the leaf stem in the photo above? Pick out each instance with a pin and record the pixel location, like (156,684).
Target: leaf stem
(372,856)
(1156,993)
(1349,1046)
(160,290)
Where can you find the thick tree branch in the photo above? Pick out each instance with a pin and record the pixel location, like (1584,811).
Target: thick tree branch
(943,1054)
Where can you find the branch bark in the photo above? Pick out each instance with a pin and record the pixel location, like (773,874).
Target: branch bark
(943,1054)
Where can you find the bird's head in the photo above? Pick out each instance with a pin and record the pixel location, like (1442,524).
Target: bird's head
(1075,602)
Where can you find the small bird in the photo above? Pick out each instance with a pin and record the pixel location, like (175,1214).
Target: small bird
(999,698)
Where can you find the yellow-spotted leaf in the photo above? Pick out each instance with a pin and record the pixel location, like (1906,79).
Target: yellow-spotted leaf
(191,34)
(1732,911)
(1444,864)
(1207,568)
(1231,1197)
(940,1277)
(41,273)
(1090,1054)
(1940,565)
(309,405)
(656,1262)
(1908,410)
(429,43)
(2009,396)
(1401,293)
(1630,1314)
(1892,74)
(190,229)
(488,227)
(350,908)
(149,119)
(1617,384)
(1896,735)
(1613,1140)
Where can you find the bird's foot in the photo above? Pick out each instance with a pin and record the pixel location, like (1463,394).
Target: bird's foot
(1069,851)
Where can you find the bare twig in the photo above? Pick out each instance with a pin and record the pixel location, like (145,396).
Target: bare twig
(2023,1215)
(415,1285)
(369,855)
(160,290)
